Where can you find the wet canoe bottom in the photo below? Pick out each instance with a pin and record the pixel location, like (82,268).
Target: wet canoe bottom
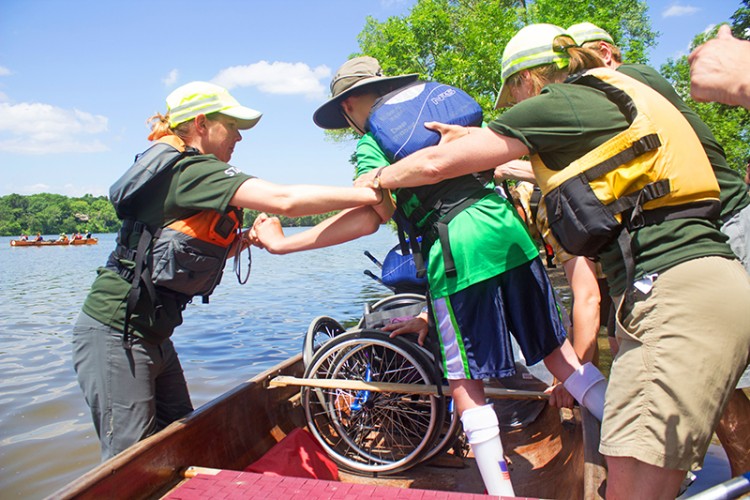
(232,484)
(454,479)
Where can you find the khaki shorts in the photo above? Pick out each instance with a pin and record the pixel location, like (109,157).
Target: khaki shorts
(683,346)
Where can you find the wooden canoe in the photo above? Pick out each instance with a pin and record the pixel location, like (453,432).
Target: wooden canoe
(552,457)
(53,243)
(85,241)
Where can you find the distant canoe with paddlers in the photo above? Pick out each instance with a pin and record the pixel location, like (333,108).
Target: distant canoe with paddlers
(52,243)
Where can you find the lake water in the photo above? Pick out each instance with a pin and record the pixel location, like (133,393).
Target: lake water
(46,435)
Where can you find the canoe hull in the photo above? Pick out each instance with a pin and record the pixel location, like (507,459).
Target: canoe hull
(229,432)
(53,243)
(546,458)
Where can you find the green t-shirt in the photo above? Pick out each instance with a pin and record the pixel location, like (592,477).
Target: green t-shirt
(198,183)
(486,239)
(565,122)
(733,189)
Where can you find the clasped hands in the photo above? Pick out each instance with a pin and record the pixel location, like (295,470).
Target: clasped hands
(265,231)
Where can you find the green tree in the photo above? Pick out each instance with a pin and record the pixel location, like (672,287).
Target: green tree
(741,21)
(53,214)
(730,125)
(461,42)
(11,228)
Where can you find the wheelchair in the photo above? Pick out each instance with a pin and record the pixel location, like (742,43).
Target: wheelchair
(370,432)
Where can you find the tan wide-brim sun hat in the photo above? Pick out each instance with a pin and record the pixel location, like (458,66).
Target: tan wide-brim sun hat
(196,98)
(532,46)
(354,74)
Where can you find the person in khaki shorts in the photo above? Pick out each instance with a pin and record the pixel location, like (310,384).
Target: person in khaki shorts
(733,429)
(684,329)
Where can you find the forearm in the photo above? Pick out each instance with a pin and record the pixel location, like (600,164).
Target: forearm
(478,151)
(345,226)
(519,170)
(299,200)
(581,274)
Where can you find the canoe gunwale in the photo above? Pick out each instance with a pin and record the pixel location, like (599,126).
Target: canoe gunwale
(153,466)
(552,453)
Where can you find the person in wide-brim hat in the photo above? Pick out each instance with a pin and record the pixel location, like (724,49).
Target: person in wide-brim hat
(359,73)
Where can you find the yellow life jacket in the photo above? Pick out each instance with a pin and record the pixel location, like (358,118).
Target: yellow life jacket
(653,171)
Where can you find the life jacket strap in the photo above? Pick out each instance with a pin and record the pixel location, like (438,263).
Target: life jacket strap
(440,203)
(439,229)
(641,146)
(636,200)
(141,278)
(411,244)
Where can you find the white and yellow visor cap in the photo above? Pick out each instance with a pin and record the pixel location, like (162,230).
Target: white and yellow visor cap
(532,46)
(195,98)
(588,32)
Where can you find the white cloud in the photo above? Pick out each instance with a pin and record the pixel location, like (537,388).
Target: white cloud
(277,78)
(37,128)
(171,78)
(4,71)
(72,190)
(77,191)
(35,188)
(677,10)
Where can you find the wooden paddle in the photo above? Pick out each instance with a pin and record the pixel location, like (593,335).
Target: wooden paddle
(359,385)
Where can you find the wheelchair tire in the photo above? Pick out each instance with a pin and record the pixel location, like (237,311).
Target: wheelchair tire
(372,432)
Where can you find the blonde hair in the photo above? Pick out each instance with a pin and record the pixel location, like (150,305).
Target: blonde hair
(579,59)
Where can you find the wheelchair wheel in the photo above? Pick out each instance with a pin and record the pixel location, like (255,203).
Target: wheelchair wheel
(321,330)
(372,432)
(398,300)
(390,303)
(448,433)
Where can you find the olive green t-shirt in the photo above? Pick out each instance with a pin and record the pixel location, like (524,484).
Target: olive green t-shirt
(565,122)
(486,239)
(197,183)
(733,195)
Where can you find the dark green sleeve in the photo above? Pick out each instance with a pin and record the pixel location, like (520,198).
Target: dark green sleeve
(205,183)
(561,124)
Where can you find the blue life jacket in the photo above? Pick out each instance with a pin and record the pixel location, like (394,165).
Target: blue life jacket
(397,124)
(397,119)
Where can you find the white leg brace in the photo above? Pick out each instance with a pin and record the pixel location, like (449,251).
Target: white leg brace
(483,433)
(587,385)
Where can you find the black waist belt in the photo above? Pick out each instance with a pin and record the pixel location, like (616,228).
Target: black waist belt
(438,229)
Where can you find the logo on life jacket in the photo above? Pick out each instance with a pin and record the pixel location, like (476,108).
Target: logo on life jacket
(397,119)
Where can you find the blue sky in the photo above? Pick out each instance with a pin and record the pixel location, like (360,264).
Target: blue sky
(78,79)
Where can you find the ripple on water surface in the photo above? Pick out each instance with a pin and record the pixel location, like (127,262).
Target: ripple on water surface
(46,435)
